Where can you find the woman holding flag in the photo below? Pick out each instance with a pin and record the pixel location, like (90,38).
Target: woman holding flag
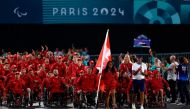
(110,78)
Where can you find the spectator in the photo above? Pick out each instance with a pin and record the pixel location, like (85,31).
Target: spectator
(183,79)
(139,70)
(172,77)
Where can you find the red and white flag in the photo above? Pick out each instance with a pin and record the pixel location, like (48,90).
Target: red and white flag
(104,57)
(105,54)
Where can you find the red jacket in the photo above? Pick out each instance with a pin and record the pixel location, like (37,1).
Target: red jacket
(16,86)
(95,70)
(57,84)
(71,73)
(125,68)
(35,83)
(1,70)
(123,85)
(1,87)
(6,72)
(24,64)
(130,85)
(61,69)
(80,71)
(87,82)
(158,83)
(41,74)
(45,83)
(47,67)
(147,85)
(27,79)
(10,77)
(110,79)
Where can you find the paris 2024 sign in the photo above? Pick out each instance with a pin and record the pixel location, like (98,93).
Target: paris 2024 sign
(95,11)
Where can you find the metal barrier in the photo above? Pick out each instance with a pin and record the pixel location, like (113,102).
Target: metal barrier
(161,56)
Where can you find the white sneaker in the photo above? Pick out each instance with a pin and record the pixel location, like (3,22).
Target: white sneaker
(142,107)
(133,106)
(168,99)
(180,104)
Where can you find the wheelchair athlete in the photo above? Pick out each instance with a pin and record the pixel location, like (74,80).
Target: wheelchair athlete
(57,89)
(15,91)
(157,84)
(87,87)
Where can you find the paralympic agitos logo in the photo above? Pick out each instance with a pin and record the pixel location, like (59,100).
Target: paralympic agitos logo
(19,13)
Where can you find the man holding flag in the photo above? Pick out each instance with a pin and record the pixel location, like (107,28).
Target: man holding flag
(109,71)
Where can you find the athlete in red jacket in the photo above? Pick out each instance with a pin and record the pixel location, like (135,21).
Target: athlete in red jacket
(57,86)
(88,81)
(110,78)
(16,85)
(157,84)
(60,66)
(57,83)
(125,68)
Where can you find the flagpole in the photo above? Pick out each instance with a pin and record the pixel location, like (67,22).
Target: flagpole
(100,71)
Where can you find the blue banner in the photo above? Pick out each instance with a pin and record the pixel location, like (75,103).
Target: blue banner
(142,42)
(21,11)
(95,11)
(87,11)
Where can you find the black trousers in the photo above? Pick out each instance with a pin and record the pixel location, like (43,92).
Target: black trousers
(183,90)
(172,85)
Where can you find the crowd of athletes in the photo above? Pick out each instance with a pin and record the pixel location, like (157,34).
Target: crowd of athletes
(62,77)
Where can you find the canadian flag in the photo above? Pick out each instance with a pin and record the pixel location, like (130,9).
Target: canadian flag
(105,54)
(104,57)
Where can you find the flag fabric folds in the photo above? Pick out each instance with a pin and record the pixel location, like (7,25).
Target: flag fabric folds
(105,54)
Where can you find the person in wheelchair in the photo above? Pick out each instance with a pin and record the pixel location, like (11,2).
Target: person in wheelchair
(15,89)
(2,91)
(45,87)
(35,87)
(87,85)
(157,85)
(77,92)
(57,88)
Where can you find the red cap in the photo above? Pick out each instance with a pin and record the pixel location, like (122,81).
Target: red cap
(13,66)
(59,57)
(75,53)
(39,65)
(155,72)
(91,62)
(28,56)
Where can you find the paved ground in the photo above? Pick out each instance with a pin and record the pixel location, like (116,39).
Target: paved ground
(169,106)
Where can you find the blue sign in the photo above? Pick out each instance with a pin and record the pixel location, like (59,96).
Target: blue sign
(142,41)
(87,11)
(20,11)
(157,12)
(95,11)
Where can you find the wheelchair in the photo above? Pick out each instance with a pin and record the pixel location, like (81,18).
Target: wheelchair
(15,100)
(57,100)
(154,100)
(84,99)
(35,97)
